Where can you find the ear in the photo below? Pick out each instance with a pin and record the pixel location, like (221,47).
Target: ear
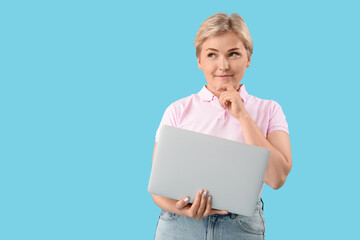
(249,62)
(198,62)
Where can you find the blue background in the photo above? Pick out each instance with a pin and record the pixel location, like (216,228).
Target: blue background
(84,84)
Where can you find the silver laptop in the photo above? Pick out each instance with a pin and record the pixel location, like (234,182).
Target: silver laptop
(186,161)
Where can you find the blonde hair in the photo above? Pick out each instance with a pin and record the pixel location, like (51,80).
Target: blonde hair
(221,23)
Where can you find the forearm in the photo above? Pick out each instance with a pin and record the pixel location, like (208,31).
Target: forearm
(166,204)
(277,168)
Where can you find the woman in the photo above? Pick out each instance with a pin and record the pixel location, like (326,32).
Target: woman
(223,108)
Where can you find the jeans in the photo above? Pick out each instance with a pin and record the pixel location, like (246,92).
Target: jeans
(173,226)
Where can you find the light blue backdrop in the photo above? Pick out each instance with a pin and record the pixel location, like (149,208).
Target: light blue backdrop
(84,84)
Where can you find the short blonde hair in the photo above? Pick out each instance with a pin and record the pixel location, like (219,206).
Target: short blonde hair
(221,23)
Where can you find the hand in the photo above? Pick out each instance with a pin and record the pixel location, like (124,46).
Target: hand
(229,98)
(200,208)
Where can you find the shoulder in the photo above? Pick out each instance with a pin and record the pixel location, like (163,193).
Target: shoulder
(175,110)
(270,111)
(267,104)
(183,103)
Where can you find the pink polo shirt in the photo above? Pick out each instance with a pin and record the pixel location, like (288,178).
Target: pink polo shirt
(203,113)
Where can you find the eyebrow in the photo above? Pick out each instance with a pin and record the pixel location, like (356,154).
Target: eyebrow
(215,50)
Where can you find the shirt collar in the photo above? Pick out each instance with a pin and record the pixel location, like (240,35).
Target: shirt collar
(207,96)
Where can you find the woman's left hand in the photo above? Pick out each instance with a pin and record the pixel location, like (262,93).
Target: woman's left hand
(229,98)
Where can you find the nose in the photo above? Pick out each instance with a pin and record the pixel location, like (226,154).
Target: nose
(223,64)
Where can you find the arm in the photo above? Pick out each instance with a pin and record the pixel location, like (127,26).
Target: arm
(280,161)
(278,142)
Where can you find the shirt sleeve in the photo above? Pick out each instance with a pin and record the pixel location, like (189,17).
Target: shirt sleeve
(277,120)
(169,118)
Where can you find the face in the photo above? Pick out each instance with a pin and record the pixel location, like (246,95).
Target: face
(223,59)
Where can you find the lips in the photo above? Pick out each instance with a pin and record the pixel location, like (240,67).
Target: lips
(224,76)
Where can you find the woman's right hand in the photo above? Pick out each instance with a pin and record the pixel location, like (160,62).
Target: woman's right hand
(200,208)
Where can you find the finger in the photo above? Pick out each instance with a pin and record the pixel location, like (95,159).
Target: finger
(203,202)
(224,87)
(182,203)
(221,212)
(208,206)
(224,100)
(221,99)
(195,206)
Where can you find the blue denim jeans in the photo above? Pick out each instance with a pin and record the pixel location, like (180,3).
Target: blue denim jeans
(173,226)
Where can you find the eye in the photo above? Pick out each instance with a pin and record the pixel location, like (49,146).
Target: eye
(234,54)
(211,55)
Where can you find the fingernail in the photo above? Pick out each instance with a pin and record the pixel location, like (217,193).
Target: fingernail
(201,192)
(186,199)
(209,198)
(205,193)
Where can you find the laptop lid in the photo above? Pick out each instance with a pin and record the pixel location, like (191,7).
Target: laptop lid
(186,161)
